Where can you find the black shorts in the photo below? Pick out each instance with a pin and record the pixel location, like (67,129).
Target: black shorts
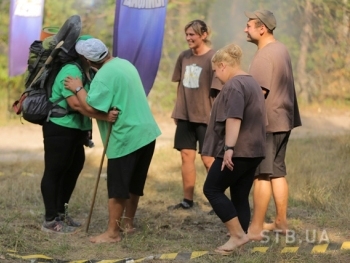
(128,174)
(187,135)
(274,162)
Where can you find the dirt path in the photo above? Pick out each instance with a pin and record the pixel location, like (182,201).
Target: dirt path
(24,141)
(316,124)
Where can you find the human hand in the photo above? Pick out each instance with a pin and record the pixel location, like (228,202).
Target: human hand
(227,161)
(72,83)
(175,121)
(112,115)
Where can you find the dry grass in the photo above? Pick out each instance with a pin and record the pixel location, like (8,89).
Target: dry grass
(318,173)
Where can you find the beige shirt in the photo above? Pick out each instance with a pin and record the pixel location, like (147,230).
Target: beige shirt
(240,98)
(196,78)
(272,68)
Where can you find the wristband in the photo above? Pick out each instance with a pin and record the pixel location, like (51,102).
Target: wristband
(229,148)
(78,89)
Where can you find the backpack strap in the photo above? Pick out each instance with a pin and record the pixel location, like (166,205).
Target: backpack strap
(56,109)
(81,70)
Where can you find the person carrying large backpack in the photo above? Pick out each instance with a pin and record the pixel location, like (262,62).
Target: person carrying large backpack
(64,140)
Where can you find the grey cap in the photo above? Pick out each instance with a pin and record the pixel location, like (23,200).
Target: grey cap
(264,16)
(92,49)
(80,41)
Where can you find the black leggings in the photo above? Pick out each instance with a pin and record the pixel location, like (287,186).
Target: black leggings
(64,160)
(239,180)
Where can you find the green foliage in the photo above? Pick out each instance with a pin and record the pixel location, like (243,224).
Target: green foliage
(328,53)
(328,56)
(100,16)
(4,25)
(57,12)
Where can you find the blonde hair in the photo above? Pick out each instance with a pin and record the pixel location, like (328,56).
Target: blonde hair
(231,54)
(199,27)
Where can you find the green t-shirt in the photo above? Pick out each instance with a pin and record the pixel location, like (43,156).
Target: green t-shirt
(73,119)
(118,84)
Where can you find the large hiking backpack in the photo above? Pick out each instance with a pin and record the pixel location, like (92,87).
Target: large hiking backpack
(34,103)
(46,59)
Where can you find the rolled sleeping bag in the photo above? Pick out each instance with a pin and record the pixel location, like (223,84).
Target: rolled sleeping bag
(48,32)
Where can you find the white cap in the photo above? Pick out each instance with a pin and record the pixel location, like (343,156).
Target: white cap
(92,49)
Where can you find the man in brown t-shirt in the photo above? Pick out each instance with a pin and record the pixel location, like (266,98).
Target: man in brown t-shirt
(272,68)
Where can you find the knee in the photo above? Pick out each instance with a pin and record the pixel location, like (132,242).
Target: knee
(206,190)
(207,161)
(209,191)
(188,156)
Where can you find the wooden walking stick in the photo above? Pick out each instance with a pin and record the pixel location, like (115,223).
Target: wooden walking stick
(99,174)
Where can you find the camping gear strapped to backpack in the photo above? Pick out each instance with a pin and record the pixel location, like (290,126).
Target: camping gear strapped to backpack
(46,58)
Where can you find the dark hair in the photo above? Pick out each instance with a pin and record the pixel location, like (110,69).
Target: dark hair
(259,23)
(199,27)
(100,62)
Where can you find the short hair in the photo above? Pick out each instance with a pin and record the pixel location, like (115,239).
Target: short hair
(231,54)
(199,27)
(259,23)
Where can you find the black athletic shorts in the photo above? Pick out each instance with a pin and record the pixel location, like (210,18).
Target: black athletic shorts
(187,135)
(276,147)
(128,174)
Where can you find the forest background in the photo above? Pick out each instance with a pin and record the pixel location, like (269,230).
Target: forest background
(316,33)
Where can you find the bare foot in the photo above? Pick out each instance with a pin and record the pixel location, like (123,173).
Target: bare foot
(255,234)
(281,228)
(223,252)
(233,244)
(269,226)
(129,231)
(105,238)
(128,226)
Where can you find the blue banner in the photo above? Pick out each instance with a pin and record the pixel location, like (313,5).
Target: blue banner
(26,17)
(138,35)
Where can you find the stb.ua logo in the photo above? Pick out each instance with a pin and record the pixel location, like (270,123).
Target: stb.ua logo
(144,3)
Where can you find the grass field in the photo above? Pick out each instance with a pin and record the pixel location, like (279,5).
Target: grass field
(318,176)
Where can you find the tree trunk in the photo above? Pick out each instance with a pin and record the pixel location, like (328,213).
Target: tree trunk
(303,85)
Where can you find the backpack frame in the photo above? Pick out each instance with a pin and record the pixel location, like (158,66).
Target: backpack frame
(34,103)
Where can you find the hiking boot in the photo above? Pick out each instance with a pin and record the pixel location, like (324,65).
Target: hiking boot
(183,205)
(57,226)
(69,221)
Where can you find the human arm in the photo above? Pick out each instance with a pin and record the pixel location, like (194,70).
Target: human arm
(216,86)
(262,71)
(177,77)
(232,128)
(177,92)
(78,102)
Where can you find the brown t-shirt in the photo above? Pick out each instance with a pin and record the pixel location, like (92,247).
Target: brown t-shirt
(196,78)
(240,98)
(272,69)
